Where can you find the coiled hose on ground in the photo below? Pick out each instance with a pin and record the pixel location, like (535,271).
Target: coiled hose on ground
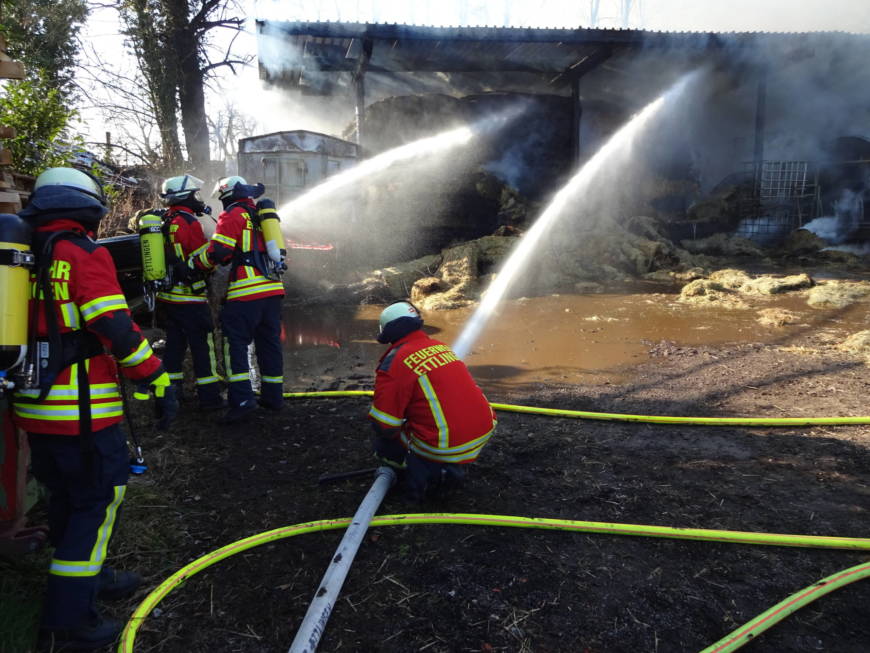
(730,642)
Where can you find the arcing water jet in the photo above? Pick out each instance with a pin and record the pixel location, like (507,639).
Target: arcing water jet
(521,254)
(424,147)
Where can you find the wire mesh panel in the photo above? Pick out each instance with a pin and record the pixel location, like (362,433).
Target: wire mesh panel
(782,180)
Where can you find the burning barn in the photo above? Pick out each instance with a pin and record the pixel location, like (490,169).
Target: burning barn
(755,152)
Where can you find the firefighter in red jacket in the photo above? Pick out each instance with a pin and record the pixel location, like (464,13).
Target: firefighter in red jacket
(185,306)
(429,416)
(78,451)
(252,311)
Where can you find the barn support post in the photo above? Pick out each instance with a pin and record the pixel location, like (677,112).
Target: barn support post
(359,86)
(760,115)
(576,116)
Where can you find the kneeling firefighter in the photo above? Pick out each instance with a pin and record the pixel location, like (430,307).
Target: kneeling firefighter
(248,236)
(168,237)
(79,325)
(429,417)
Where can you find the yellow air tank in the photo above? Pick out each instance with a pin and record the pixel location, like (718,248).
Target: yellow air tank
(16,259)
(151,246)
(270,224)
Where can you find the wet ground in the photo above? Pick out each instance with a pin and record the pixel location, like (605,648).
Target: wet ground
(593,338)
(445,589)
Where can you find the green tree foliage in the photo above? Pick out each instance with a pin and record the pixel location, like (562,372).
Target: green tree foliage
(43,34)
(37,110)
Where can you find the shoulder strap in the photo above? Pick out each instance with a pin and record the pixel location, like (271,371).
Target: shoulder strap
(63,349)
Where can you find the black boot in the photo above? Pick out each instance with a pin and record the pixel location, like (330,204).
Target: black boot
(238,413)
(113,584)
(100,632)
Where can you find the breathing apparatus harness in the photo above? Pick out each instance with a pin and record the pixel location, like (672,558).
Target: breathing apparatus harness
(265,220)
(162,268)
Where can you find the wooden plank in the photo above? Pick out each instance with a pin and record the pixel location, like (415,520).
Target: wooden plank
(9,202)
(5,157)
(11,70)
(7,132)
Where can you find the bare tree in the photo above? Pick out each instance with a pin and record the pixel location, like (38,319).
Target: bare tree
(171,40)
(227,126)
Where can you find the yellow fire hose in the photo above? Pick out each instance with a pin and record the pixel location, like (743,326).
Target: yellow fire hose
(616,417)
(771,539)
(752,629)
(731,642)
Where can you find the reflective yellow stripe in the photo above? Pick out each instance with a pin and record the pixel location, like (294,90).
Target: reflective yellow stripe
(205,380)
(272,379)
(437,412)
(226,240)
(68,412)
(92,566)
(211,354)
(459,450)
(94,308)
(70,315)
(386,418)
(262,288)
(252,281)
(176,376)
(97,391)
(143,351)
(239,377)
(174,297)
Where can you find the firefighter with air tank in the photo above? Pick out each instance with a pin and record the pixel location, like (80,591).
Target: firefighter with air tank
(248,237)
(167,239)
(65,331)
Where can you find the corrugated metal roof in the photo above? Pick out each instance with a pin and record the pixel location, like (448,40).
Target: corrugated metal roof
(495,32)
(555,57)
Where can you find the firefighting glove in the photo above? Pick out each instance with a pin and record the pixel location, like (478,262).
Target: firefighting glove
(165,399)
(389,462)
(181,272)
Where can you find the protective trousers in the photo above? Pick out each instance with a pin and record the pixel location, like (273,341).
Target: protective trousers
(257,321)
(421,477)
(191,325)
(84,499)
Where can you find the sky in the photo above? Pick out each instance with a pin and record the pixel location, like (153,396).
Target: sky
(101,33)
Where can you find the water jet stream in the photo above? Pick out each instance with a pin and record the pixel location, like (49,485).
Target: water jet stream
(428,146)
(521,253)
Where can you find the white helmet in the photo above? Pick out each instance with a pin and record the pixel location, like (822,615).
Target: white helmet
(224,187)
(178,189)
(71,178)
(397,320)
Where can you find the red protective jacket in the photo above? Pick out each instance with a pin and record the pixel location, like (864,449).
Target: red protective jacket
(422,387)
(185,237)
(235,236)
(87,297)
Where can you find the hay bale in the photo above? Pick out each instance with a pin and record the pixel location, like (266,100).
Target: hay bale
(837,294)
(768,285)
(707,291)
(776,317)
(730,278)
(802,241)
(857,343)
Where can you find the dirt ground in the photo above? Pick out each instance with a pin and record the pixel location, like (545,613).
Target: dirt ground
(468,588)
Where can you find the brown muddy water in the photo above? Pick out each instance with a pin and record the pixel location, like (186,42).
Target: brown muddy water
(595,338)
